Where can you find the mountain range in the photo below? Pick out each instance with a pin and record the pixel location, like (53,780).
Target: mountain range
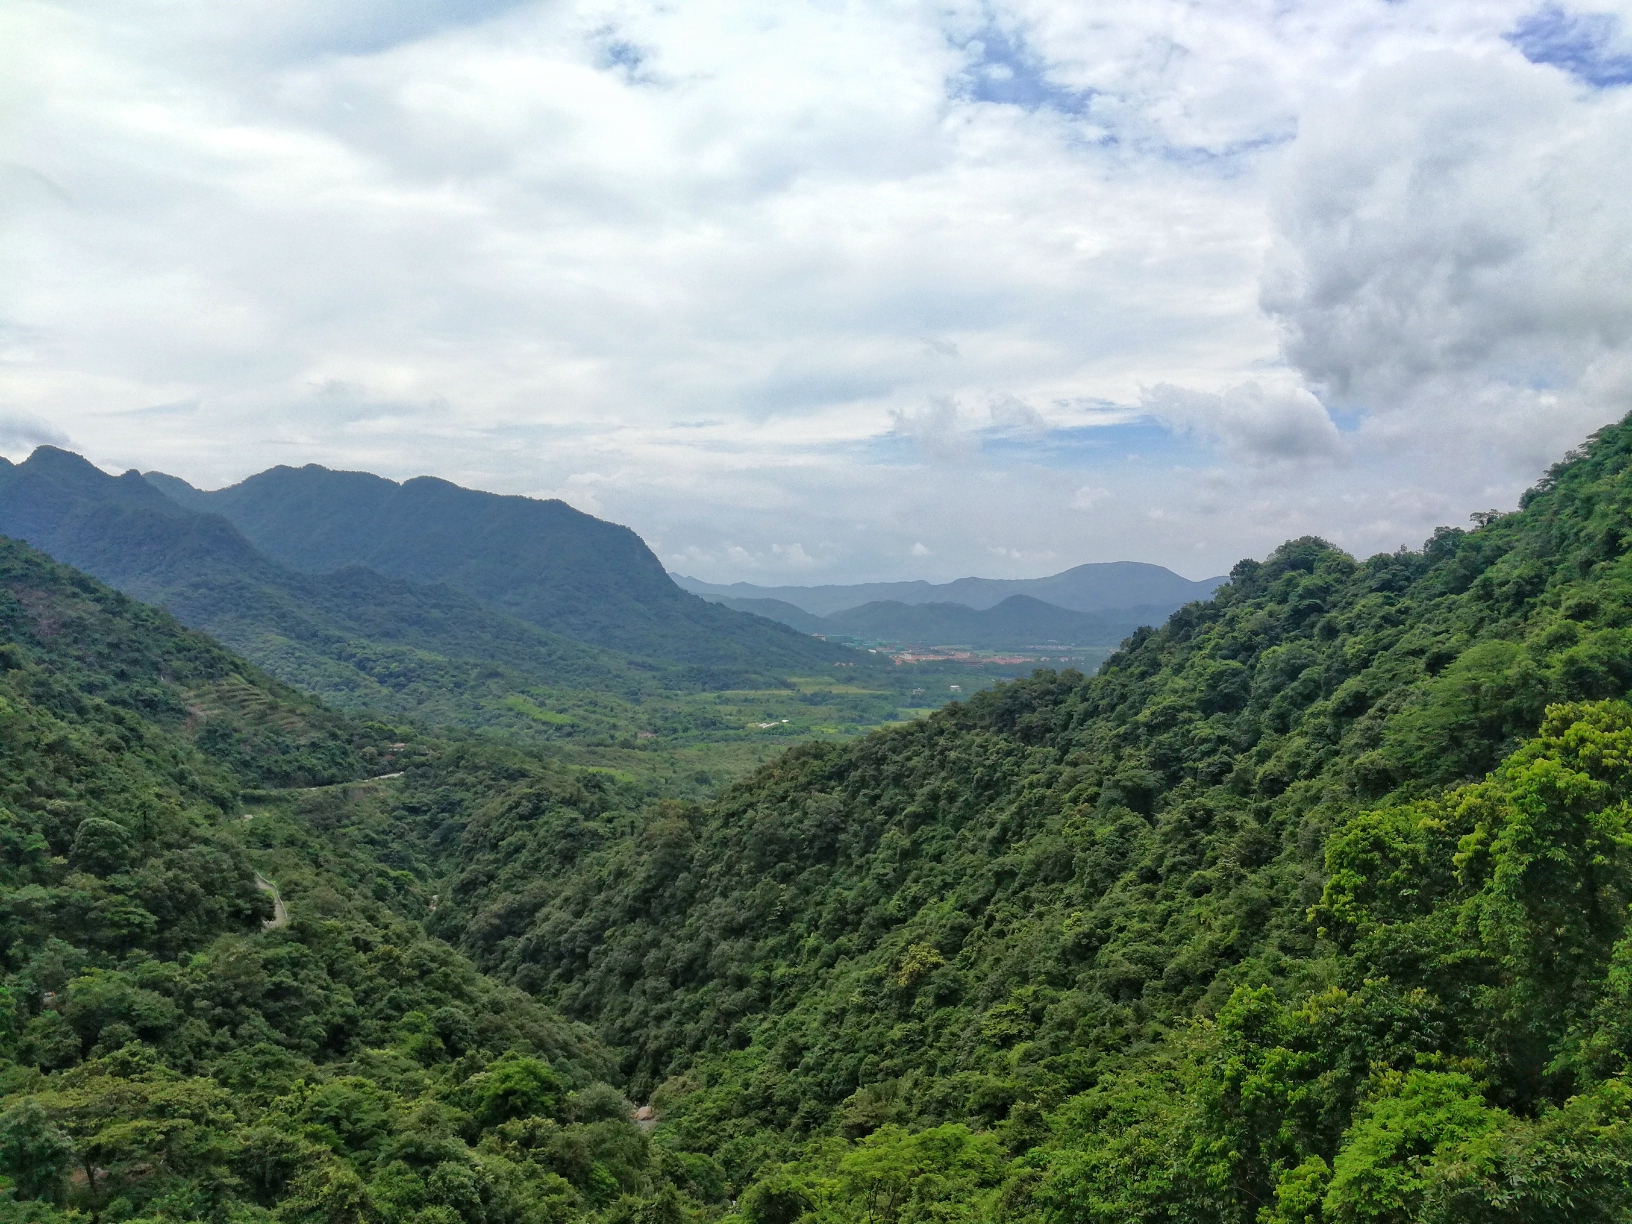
(536,602)
(1094,605)
(1018,622)
(1095,587)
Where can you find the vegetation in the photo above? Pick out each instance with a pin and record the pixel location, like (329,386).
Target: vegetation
(1237,929)
(175,1044)
(1310,906)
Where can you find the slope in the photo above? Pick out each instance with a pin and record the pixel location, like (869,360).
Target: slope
(1095,587)
(541,561)
(175,1045)
(1242,928)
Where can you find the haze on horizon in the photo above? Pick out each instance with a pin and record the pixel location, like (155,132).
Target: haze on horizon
(826,292)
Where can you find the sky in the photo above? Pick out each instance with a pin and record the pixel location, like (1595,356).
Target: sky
(812,291)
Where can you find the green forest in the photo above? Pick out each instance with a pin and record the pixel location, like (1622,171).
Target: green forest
(1310,905)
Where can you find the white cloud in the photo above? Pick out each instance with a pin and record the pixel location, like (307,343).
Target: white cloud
(866,276)
(1454,262)
(937,429)
(1258,423)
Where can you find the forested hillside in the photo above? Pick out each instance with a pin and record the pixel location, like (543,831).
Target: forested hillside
(1311,905)
(216,998)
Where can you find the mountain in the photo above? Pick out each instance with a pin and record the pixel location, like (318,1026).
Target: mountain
(368,642)
(1096,587)
(361,640)
(1311,905)
(776,610)
(540,561)
(1018,622)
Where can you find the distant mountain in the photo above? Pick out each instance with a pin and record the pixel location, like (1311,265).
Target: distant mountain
(776,610)
(540,561)
(1096,587)
(1018,623)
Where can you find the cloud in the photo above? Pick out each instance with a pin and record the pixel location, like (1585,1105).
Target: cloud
(1011,414)
(861,276)
(1257,423)
(22,431)
(1454,257)
(937,430)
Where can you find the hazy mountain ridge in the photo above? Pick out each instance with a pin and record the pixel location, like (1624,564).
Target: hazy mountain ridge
(1094,587)
(1019,622)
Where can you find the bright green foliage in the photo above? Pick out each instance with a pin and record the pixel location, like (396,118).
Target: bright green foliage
(1397,1138)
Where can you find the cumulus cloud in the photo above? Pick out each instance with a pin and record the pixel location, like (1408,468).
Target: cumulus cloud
(937,430)
(1454,256)
(1262,424)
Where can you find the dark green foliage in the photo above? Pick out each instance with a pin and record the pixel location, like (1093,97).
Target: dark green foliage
(1235,929)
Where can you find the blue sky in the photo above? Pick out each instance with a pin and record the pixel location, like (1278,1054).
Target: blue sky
(829,291)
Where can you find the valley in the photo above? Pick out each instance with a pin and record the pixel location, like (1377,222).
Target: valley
(815,613)
(1311,904)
